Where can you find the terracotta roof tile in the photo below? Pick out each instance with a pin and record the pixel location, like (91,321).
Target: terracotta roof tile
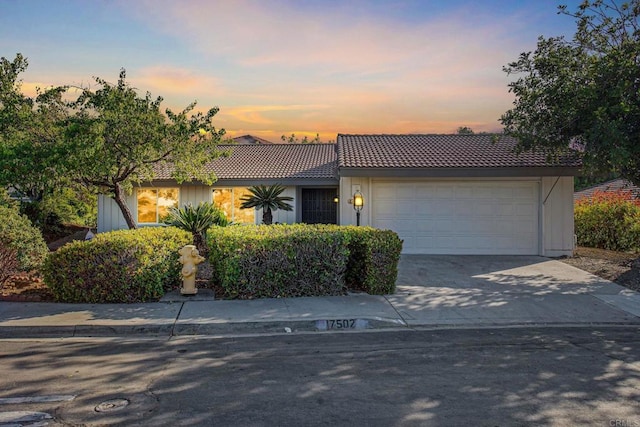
(270,161)
(438,151)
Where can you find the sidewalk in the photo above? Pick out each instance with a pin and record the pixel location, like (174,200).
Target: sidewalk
(409,307)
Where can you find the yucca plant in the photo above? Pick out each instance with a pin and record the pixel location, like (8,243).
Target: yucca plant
(197,220)
(268,199)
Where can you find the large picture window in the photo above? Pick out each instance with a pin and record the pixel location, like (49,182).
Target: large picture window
(228,199)
(154,204)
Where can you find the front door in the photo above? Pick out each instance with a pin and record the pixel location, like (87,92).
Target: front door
(318,206)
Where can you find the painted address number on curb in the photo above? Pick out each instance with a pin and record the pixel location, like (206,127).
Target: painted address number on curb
(324,325)
(341,324)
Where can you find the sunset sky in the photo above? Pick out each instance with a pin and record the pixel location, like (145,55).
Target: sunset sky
(279,67)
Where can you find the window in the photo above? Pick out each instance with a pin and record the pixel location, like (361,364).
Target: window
(154,204)
(229,200)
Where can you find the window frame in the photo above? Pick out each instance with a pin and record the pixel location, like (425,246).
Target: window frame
(157,205)
(233,189)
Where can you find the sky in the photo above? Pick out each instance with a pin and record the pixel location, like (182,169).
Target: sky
(277,67)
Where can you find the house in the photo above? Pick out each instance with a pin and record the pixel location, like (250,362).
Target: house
(616,185)
(443,194)
(250,139)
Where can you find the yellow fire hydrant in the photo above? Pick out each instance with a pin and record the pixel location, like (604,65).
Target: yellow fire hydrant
(189,258)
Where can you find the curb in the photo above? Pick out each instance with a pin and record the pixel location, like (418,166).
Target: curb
(190,329)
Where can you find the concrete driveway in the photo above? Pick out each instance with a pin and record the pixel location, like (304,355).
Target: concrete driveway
(450,290)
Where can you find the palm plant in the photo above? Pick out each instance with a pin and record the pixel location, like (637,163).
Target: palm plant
(197,220)
(268,199)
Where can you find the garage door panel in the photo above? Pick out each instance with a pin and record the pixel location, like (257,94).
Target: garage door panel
(473,217)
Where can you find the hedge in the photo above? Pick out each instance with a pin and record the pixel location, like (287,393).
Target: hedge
(373,259)
(608,221)
(21,238)
(303,260)
(270,261)
(117,267)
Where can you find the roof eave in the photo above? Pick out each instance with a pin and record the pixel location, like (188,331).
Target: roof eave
(493,172)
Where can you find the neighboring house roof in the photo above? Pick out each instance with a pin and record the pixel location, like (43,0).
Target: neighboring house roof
(439,152)
(609,186)
(250,139)
(270,162)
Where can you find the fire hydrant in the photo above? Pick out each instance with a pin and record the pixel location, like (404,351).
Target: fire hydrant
(189,258)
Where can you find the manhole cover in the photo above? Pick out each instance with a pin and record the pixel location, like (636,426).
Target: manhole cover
(112,405)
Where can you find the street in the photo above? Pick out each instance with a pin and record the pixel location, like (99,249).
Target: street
(482,377)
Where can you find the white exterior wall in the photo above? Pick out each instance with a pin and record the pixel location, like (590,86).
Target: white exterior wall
(557,213)
(110,217)
(347,215)
(555,210)
(283,217)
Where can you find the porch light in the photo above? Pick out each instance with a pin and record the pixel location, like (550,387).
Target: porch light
(336,199)
(358,203)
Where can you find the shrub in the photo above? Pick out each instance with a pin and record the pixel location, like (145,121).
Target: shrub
(608,220)
(197,220)
(278,260)
(17,233)
(373,259)
(301,260)
(118,267)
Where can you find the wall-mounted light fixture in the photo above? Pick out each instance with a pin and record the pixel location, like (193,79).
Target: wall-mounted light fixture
(358,203)
(336,199)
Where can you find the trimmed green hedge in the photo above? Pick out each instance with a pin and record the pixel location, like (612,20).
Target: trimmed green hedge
(373,259)
(117,267)
(270,261)
(23,239)
(303,260)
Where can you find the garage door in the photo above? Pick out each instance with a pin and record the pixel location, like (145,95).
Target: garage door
(459,217)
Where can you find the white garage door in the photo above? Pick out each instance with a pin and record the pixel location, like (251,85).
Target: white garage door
(459,217)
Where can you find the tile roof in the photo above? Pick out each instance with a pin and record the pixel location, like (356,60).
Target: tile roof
(270,161)
(438,151)
(614,185)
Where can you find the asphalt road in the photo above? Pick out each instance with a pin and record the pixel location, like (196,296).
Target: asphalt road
(482,377)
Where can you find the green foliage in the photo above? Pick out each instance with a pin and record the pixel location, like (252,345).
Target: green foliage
(119,138)
(583,93)
(34,158)
(17,233)
(373,259)
(279,260)
(303,260)
(123,266)
(268,199)
(197,220)
(293,139)
(608,221)
(464,130)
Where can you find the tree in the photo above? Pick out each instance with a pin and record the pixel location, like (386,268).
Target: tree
(293,139)
(33,156)
(119,137)
(267,198)
(583,93)
(464,130)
